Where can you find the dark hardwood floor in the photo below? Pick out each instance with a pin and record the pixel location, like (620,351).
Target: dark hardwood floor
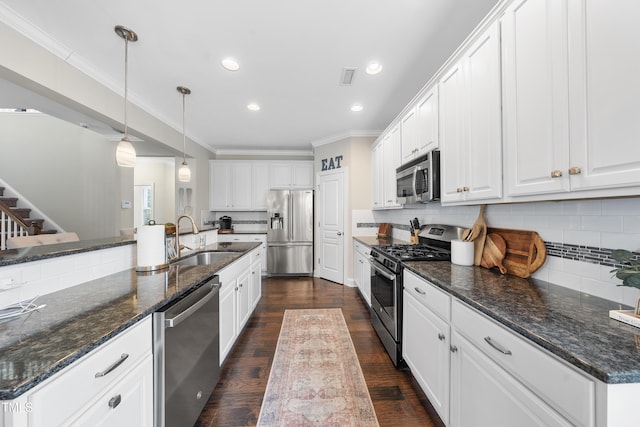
(236,401)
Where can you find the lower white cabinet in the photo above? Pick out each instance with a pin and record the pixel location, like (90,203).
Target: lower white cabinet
(249,238)
(111,386)
(239,294)
(362,270)
(476,372)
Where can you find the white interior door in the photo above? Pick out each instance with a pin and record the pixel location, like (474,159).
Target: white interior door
(331,226)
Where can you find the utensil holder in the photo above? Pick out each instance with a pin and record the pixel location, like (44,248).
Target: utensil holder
(414,240)
(462,252)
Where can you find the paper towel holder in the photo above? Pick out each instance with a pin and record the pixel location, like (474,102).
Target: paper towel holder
(158,267)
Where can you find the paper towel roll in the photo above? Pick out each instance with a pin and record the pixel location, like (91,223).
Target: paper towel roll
(152,254)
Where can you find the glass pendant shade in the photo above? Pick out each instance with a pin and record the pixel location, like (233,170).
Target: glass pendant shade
(184,173)
(125,154)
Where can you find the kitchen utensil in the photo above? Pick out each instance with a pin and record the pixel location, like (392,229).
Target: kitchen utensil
(495,249)
(480,233)
(467,235)
(462,252)
(416,224)
(525,252)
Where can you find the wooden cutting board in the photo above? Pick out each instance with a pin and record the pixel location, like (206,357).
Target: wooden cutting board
(495,249)
(525,251)
(480,234)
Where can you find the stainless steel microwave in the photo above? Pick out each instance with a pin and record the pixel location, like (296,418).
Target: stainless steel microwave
(419,180)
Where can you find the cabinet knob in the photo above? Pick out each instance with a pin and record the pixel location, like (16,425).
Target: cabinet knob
(453,349)
(575,170)
(465,188)
(458,190)
(115,401)
(556,173)
(441,336)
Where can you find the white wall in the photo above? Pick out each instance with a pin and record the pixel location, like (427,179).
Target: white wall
(598,223)
(66,171)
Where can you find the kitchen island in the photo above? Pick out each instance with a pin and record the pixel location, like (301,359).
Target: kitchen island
(81,318)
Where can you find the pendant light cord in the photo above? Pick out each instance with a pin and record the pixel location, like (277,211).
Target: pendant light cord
(126,84)
(184,137)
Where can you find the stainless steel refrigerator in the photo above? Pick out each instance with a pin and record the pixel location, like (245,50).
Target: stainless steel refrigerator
(290,232)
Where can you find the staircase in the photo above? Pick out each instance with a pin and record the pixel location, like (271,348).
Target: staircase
(15,221)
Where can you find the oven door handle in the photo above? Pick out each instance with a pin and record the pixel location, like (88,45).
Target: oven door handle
(383,271)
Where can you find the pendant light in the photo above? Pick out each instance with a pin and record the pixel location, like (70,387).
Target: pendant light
(125,153)
(184,173)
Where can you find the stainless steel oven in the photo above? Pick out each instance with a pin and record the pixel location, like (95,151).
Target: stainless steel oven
(419,180)
(386,303)
(386,281)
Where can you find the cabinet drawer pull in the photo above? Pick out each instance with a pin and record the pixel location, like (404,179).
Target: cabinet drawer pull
(497,346)
(441,336)
(117,363)
(453,349)
(115,401)
(556,173)
(575,170)
(420,291)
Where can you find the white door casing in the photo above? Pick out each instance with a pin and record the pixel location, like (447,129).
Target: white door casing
(330,207)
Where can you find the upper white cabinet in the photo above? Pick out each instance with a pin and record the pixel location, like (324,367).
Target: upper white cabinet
(536,111)
(377,177)
(571,96)
(242,185)
(293,174)
(419,127)
(470,123)
(385,158)
(604,110)
(391,160)
(230,185)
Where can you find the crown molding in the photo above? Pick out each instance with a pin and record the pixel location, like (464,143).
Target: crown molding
(349,134)
(253,152)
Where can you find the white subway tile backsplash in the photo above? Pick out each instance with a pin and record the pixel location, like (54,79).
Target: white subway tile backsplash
(627,241)
(626,206)
(584,238)
(602,223)
(601,289)
(631,223)
(582,207)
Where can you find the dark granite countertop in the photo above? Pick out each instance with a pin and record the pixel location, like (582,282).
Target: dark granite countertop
(375,241)
(81,318)
(36,253)
(572,325)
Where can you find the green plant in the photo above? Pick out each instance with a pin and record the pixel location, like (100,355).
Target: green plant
(629,273)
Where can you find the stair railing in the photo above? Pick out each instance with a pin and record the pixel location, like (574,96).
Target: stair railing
(11,225)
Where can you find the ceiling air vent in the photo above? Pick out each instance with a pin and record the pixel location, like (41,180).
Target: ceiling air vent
(347,76)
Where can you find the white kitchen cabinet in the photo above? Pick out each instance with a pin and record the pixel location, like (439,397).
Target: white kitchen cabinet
(603,85)
(237,298)
(483,394)
(470,123)
(297,174)
(426,351)
(536,109)
(362,270)
(526,385)
(76,396)
(377,177)
(571,98)
(390,161)
(255,280)
(232,237)
(385,157)
(259,185)
(238,185)
(419,127)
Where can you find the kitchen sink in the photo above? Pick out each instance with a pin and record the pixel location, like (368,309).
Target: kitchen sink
(204,258)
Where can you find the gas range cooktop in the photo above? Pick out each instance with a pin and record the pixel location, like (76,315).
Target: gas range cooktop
(418,252)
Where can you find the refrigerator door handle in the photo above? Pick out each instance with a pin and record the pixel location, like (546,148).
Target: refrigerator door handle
(285,244)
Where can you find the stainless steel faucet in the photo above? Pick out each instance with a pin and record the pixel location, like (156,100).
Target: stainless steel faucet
(194,227)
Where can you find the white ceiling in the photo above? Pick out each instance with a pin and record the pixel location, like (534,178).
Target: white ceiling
(291,54)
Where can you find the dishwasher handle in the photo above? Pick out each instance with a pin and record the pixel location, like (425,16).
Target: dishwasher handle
(174,319)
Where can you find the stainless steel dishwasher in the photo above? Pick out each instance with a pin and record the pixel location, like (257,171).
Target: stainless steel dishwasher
(186,356)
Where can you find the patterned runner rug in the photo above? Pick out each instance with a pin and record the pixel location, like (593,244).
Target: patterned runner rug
(315,378)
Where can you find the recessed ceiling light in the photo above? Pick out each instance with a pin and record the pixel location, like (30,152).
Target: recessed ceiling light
(230,64)
(373,68)
(253,106)
(356,108)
